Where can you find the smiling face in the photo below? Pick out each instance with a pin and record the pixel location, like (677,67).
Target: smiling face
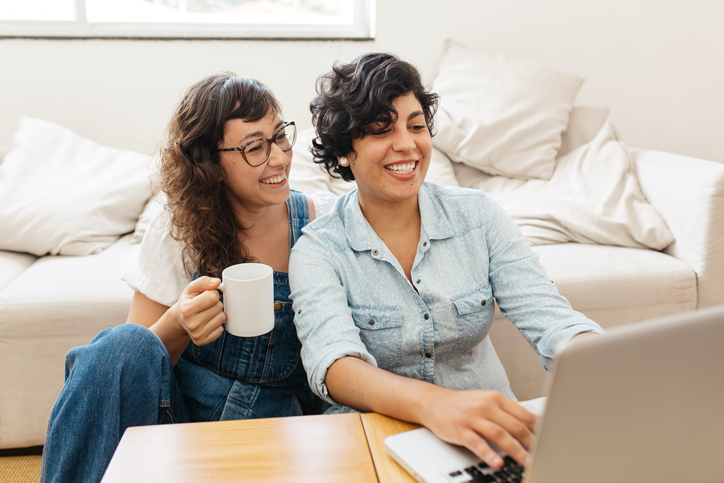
(254,188)
(390,162)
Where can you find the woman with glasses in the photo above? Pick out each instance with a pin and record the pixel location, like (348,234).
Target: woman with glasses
(394,291)
(224,171)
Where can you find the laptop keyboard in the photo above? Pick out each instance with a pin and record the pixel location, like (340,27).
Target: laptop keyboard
(511,472)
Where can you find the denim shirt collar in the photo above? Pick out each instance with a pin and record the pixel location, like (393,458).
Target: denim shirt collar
(435,224)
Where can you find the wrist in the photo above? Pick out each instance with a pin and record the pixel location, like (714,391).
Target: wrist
(425,402)
(171,325)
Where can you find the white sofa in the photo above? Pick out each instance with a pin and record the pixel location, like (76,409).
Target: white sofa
(50,304)
(617,285)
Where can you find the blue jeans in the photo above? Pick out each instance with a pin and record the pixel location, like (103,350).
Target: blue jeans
(124,378)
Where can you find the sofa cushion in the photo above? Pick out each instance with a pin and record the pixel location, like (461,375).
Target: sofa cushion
(65,296)
(63,194)
(501,115)
(12,264)
(617,285)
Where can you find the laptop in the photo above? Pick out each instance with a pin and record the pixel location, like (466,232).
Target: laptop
(643,403)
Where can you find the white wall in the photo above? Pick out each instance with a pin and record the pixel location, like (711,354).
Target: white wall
(658,64)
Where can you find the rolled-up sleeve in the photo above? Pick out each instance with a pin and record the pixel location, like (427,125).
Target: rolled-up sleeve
(324,322)
(526,295)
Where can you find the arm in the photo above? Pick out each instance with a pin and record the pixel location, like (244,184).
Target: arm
(525,293)
(196,316)
(312,210)
(459,417)
(174,307)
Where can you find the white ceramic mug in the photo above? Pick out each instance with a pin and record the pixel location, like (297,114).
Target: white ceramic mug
(248,299)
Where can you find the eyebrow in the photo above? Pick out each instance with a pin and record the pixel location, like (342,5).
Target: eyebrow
(412,115)
(259,134)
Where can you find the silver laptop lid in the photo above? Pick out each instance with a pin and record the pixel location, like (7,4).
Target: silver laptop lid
(642,404)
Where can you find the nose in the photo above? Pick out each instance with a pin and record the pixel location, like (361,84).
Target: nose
(403,141)
(278,157)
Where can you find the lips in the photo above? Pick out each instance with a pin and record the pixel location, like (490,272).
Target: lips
(403,168)
(276,179)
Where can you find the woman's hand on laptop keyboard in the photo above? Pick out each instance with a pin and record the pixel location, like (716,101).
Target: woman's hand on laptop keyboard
(475,418)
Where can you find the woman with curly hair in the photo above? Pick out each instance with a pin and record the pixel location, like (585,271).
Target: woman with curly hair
(394,291)
(224,171)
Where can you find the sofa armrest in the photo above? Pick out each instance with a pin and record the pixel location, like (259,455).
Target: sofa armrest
(689,194)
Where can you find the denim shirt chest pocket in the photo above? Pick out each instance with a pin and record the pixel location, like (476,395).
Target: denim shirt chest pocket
(380,329)
(473,313)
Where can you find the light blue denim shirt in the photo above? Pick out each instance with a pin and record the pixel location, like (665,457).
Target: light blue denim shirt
(352,298)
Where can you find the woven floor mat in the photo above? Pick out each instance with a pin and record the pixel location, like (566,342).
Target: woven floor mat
(20,469)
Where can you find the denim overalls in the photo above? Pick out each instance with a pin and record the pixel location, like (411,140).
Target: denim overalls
(125,377)
(269,363)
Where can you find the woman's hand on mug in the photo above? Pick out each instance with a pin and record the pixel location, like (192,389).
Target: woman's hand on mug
(466,417)
(200,312)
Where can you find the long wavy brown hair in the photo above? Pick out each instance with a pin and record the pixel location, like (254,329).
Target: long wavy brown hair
(190,170)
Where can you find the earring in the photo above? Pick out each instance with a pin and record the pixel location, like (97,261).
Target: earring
(343,161)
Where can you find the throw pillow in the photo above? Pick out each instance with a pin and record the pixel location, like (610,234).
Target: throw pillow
(593,197)
(583,125)
(65,195)
(501,115)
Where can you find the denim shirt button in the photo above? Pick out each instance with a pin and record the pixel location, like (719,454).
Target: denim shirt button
(428,355)
(424,244)
(371,322)
(427,316)
(417,281)
(482,303)
(375,252)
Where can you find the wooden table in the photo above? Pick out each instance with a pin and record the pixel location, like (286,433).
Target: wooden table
(377,428)
(336,448)
(308,448)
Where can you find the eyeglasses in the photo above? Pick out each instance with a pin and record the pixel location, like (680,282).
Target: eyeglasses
(256,152)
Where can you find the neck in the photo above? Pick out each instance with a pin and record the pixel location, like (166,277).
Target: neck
(258,222)
(393,217)
(265,236)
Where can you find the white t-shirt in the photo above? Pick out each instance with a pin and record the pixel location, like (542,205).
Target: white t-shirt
(157,269)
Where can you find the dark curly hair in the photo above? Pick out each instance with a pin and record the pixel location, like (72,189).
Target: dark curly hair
(190,168)
(353,96)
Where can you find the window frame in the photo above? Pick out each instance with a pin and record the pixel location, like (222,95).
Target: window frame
(362,28)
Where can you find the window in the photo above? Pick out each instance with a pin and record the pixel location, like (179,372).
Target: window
(351,19)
